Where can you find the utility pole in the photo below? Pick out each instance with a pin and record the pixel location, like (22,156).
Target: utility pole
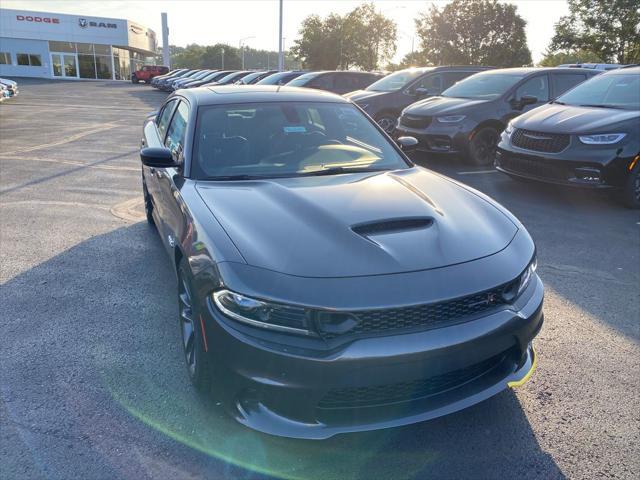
(280,43)
(166,53)
(241,45)
(222,49)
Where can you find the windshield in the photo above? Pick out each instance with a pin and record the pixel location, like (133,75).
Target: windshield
(483,86)
(621,91)
(302,80)
(230,77)
(396,81)
(251,76)
(279,78)
(288,139)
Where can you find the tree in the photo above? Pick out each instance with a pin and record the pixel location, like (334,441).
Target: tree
(474,32)
(371,35)
(578,56)
(610,29)
(362,38)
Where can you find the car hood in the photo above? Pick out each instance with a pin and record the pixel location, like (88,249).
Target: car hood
(357,224)
(362,95)
(568,119)
(442,105)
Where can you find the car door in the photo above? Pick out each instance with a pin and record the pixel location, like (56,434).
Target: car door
(170,179)
(563,81)
(154,134)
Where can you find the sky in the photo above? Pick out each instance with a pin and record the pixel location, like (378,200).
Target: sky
(228,21)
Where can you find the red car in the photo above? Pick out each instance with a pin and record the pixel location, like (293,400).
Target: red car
(147,73)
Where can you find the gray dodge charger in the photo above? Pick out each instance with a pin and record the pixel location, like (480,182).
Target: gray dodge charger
(326,284)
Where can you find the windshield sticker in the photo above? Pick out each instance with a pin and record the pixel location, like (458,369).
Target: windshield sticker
(295,129)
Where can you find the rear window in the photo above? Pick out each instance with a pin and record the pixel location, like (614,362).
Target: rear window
(287,139)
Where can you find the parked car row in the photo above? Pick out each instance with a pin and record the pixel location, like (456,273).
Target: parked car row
(8,89)
(464,110)
(340,82)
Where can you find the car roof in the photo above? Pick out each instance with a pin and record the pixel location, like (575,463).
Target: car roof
(623,70)
(522,71)
(226,94)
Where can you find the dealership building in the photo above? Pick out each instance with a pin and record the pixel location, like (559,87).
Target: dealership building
(53,45)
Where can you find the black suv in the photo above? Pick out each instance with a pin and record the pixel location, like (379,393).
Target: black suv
(335,81)
(385,99)
(281,78)
(588,137)
(468,117)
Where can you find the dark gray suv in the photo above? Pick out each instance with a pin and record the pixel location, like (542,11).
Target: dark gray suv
(468,117)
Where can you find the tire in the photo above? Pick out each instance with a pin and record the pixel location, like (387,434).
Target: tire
(134,79)
(193,344)
(387,122)
(482,146)
(148,204)
(630,195)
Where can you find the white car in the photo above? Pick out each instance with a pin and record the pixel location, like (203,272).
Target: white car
(10,86)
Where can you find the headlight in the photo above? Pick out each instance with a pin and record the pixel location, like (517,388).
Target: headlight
(509,128)
(602,138)
(451,118)
(268,315)
(515,289)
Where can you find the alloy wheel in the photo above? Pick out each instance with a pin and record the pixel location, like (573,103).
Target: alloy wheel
(388,124)
(187,326)
(484,146)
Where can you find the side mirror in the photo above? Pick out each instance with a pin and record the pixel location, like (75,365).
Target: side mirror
(520,103)
(157,157)
(421,92)
(407,144)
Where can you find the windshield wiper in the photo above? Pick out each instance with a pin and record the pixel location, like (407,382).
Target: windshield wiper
(234,177)
(603,105)
(340,170)
(556,102)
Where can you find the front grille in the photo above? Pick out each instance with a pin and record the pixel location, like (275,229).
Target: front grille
(352,397)
(424,317)
(412,121)
(535,168)
(539,141)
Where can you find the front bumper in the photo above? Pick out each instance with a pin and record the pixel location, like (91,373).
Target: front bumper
(578,165)
(438,137)
(371,383)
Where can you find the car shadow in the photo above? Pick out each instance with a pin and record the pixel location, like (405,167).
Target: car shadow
(94,381)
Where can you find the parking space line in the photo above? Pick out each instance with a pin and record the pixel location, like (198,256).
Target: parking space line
(69,162)
(477,172)
(62,141)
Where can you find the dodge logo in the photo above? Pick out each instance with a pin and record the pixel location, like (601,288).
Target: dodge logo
(83,22)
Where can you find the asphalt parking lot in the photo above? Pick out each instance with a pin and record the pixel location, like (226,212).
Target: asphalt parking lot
(93,383)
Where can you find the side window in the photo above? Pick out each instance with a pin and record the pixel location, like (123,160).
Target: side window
(163,118)
(565,81)
(450,78)
(323,82)
(176,131)
(433,84)
(346,81)
(535,87)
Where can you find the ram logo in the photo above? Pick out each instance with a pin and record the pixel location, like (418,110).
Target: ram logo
(83,22)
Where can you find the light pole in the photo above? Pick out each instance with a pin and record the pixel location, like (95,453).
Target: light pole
(222,49)
(241,45)
(280,43)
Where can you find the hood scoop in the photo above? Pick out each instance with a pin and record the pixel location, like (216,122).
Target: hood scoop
(396,225)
